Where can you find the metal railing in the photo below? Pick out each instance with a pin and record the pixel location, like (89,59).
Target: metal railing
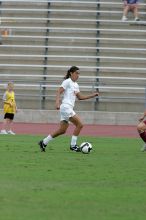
(45,82)
(119,68)
(131,89)
(70,2)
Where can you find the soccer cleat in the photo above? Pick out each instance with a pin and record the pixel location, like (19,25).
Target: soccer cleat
(10,132)
(143,148)
(3,132)
(42,146)
(76,148)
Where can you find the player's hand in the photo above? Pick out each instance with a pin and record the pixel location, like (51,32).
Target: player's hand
(57,106)
(11,104)
(95,94)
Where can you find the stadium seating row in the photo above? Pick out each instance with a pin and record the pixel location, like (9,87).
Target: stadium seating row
(44,38)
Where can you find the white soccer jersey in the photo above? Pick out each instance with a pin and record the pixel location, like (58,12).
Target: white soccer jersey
(71,89)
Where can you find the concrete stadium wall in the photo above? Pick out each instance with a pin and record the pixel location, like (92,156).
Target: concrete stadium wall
(88,117)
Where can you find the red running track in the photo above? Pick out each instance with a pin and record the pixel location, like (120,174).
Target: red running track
(90,130)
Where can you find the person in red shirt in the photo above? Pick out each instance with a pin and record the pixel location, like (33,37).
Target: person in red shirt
(141,127)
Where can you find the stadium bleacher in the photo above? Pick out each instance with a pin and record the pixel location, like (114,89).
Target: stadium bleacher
(44,38)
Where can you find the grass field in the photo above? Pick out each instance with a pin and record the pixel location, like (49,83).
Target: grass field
(107,184)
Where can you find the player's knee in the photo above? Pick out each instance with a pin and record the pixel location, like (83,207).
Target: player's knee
(80,125)
(63,131)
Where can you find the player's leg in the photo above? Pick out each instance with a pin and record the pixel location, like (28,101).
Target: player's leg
(10,123)
(4,126)
(61,130)
(125,12)
(78,126)
(9,129)
(7,123)
(141,127)
(135,12)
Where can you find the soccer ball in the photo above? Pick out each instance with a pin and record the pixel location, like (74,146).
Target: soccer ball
(86,147)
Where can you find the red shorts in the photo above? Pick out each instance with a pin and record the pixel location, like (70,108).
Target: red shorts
(144,122)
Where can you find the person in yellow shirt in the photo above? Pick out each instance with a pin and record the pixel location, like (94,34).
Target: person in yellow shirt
(9,108)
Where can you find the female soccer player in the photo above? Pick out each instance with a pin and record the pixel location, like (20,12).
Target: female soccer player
(10,109)
(70,90)
(142,130)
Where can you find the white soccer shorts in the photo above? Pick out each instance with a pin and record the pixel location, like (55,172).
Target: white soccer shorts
(66,112)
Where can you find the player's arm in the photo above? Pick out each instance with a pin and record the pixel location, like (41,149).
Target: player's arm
(144,115)
(5,101)
(15,107)
(58,94)
(83,97)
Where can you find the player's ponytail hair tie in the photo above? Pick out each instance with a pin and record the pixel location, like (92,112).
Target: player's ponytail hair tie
(71,70)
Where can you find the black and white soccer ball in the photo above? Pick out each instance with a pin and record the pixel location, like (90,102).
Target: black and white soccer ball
(86,147)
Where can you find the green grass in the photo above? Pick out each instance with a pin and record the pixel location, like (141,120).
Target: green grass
(107,184)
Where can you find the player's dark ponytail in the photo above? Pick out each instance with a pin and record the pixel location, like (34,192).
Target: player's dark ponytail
(71,70)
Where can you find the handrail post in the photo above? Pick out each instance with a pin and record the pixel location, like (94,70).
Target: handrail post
(97,53)
(41,107)
(42,94)
(43,98)
(145,98)
(0,24)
